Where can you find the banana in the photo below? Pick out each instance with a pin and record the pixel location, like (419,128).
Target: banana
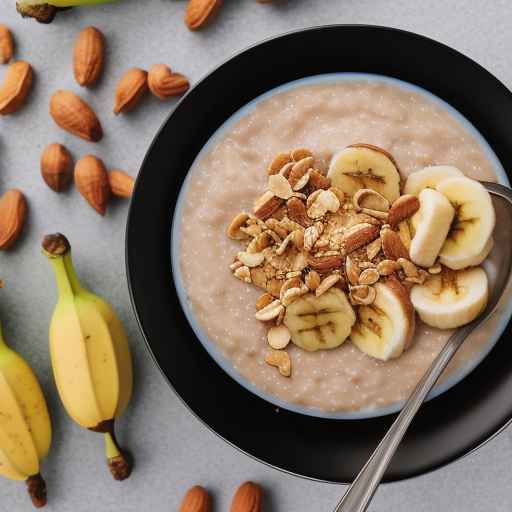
(25,428)
(385,328)
(468,241)
(429,177)
(452,298)
(322,322)
(365,166)
(90,355)
(431,224)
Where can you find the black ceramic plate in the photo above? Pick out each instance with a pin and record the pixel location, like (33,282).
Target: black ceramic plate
(446,428)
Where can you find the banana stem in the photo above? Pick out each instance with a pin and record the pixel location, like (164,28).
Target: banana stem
(36,487)
(118,461)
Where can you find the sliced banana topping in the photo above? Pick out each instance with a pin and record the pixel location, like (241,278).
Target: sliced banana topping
(385,328)
(365,166)
(468,240)
(429,177)
(431,225)
(452,298)
(320,322)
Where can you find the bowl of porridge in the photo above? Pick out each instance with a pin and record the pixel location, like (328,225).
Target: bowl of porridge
(313,238)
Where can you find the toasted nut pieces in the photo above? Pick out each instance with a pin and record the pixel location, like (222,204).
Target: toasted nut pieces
(269,312)
(281,360)
(278,337)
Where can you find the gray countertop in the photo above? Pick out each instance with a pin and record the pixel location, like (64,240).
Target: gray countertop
(173,450)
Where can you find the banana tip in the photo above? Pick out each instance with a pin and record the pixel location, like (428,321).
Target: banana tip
(36,487)
(56,244)
(120,466)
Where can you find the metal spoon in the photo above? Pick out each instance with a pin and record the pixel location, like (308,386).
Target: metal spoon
(360,493)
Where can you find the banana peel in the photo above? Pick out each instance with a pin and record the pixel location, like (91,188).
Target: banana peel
(45,11)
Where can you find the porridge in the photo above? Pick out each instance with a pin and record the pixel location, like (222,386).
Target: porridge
(332,236)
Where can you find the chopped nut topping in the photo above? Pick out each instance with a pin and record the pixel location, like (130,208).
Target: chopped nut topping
(234,231)
(278,337)
(279,161)
(362,295)
(327,283)
(300,154)
(269,312)
(312,280)
(280,186)
(263,301)
(281,360)
(369,276)
(254,259)
(244,274)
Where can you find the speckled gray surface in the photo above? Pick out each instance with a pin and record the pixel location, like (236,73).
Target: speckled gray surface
(172,449)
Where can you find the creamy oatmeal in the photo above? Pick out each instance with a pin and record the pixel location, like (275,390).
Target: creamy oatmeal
(232,174)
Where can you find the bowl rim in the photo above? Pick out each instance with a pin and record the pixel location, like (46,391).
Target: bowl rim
(463,452)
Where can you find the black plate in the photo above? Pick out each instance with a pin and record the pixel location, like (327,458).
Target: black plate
(447,427)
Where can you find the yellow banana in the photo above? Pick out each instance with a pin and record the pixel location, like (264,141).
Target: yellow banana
(25,428)
(90,355)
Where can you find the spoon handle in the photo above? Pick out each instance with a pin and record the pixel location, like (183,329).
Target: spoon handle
(360,493)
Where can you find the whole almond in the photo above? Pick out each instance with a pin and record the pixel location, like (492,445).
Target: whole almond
(130,89)
(75,116)
(56,166)
(403,208)
(15,87)
(196,500)
(6,44)
(297,212)
(392,245)
(266,205)
(325,264)
(121,183)
(163,83)
(88,56)
(91,179)
(248,498)
(13,211)
(358,236)
(200,12)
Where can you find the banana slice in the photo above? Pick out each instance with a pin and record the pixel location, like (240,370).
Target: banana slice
(431,225)
(365,166)
(318,323)
(429,177)
(385,328)
(472,226)
(452,298)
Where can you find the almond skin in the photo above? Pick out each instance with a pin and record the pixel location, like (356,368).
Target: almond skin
(266,205)
(121,183)
(297,212)
(56,167)
(200,12)
(88,56)
(75,116)
(6,44)
(403,208)
(15,87)
(163,83)
(392,245)
(130,89)
(13,211)
(91,179)
(196,500)
(248,498)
